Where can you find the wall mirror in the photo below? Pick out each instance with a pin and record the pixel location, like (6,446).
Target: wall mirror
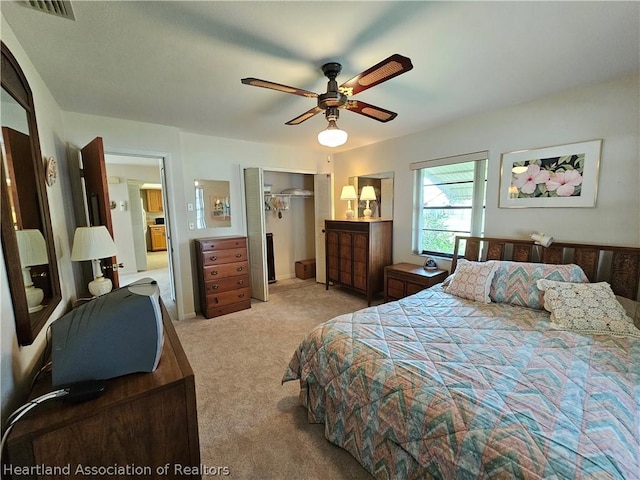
(213,208)
(27,238)
(383,186)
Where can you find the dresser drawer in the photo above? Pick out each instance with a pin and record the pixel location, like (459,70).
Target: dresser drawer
(226,284)
(226,298)
(216,257)
(216,310)
(226,270)
(222,243)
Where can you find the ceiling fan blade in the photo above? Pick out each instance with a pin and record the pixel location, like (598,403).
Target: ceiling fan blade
(256,82)
(371,111)
(305,116)
(391,67)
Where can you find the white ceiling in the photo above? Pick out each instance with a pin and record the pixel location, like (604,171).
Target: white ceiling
(180,63)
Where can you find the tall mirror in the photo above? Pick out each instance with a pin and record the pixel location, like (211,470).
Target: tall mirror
(382,184)
(27,238)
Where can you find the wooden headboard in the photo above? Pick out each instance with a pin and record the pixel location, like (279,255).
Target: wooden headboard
(619,266)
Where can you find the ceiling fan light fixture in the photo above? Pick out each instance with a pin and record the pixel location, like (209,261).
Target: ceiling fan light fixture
(332,136)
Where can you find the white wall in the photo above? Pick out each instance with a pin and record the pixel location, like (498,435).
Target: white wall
(17,363)
(607,111)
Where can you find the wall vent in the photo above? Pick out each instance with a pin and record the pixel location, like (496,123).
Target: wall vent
(59,8)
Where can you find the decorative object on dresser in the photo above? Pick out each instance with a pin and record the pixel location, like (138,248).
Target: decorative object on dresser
(94,243)
(348,194)
(367,194)
(404,279)
(223,275)
(357,252)
(142,422)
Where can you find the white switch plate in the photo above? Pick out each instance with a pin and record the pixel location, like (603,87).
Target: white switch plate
(190,208)
(192,226)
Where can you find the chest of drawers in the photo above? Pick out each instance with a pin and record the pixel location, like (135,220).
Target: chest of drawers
(223,275)
(357,252)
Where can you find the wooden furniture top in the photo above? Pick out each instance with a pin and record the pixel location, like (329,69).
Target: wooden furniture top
(414,269)
(173,368)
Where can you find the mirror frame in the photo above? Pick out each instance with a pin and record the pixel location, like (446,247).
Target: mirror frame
(28,325)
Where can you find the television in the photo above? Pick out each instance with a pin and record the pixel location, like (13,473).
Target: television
(114,334)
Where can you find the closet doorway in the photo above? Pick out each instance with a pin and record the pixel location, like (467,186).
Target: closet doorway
(292,207)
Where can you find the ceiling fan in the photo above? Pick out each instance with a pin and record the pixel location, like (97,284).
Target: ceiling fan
(338,97)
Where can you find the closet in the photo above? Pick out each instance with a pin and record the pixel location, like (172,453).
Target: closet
(295,220)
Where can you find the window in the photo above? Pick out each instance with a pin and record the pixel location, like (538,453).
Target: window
(451,201)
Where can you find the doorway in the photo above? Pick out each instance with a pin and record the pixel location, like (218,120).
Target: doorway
(293,207)
(137,193)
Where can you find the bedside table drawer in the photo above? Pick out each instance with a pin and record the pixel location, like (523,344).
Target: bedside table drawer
(404,279)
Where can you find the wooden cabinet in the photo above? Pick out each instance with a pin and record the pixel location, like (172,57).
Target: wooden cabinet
(404,279)
(144,419)
(158,238)
(154,200)
(357,252)
(223,275)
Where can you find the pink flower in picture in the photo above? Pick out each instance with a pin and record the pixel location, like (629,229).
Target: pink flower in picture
(564,183)
(527,181)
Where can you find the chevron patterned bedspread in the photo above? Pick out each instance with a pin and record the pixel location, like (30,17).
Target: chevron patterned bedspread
(435,386)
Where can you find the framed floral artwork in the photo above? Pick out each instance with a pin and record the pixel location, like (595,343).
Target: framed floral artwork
(560,176)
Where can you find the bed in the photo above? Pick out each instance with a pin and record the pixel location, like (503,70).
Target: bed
(502,384)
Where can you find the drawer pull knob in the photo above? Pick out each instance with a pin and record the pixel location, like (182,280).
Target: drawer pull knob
(213,258)
(239,269)
(215,272)
(240,282)
(241,295)
(215,287)
(238,255)
(215,300)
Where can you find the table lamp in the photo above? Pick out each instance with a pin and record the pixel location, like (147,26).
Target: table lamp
(368,194)
(94,243)
(33,251)
(348,194)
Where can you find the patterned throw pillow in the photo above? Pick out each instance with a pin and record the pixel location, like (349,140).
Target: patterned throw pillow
(586,307)
(472,280)
(515,282)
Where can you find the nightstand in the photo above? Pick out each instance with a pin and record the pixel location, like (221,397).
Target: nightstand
(404,279)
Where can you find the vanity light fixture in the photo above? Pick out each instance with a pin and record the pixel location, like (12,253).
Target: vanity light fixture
(33,251)
(94,243)
(367,194)
(348,194)
(332,136)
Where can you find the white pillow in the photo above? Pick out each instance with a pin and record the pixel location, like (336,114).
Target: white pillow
(472,280)
(586,307)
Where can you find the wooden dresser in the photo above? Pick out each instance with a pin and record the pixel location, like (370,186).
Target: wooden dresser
(357,252)
(404,279)
(144,419)
(223,275)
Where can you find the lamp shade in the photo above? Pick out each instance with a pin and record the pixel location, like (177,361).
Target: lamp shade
(92,243)
(368,193)
(348,193)
(32,248)
(332,136)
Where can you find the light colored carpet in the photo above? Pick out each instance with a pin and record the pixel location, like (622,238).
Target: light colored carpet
(248,421)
